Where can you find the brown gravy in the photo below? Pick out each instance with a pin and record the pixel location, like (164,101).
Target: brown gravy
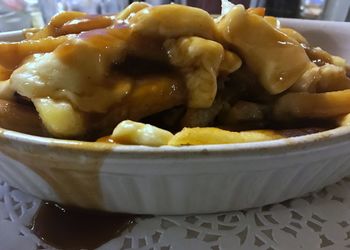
(73,228)
(73,182)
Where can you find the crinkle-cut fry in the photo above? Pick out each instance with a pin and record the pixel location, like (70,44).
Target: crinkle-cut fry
(267,51)
(131,9)
(307,105)
(173,21)
(72,22)
(206,136)
(13,54)
(20,118)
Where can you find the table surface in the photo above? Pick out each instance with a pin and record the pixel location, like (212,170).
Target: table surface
(318,221)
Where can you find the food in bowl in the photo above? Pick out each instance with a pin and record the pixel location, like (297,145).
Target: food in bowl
(170,75)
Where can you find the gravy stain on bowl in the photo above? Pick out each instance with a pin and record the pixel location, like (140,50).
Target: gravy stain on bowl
(74,176)
(73,228)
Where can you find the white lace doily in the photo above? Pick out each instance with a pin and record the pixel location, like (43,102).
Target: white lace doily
(319,221)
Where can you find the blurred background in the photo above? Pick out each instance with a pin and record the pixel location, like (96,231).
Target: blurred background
(20,14)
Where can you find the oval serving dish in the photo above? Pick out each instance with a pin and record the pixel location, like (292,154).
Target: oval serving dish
(183,180)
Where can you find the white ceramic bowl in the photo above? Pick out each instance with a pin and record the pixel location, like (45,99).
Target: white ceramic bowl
(167,180)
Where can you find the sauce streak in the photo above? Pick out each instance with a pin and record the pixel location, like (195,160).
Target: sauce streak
(74,183)
(73,228)
(84,23)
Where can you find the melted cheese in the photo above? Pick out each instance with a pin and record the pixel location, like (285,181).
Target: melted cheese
(135,133)
(173,21)
(278,61)
(200,61)
(60,118)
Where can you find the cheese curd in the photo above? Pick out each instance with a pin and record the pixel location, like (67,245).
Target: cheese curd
(136,133)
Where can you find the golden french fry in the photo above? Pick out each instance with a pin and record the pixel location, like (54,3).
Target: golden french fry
(72,22)
(205,136)
(13,54)
(306,105)
(56,22)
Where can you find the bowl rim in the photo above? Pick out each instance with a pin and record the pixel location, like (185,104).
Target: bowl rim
(310,142)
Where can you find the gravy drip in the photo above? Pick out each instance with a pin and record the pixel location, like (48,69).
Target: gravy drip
(73,228)
(74,183)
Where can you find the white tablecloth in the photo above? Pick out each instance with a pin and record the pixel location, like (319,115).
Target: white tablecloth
(318,221)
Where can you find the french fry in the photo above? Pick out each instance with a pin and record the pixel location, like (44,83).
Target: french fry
(13,54)
(306,105)
(72,22)
(205,136)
